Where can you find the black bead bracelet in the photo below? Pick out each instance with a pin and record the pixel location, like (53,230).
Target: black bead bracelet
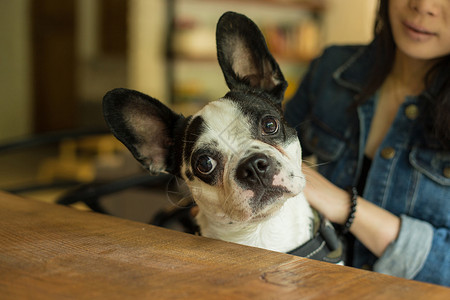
(351,216)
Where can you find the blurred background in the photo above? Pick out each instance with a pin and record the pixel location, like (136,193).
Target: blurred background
(58,59)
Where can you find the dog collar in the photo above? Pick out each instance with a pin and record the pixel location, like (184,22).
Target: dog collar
(324,246)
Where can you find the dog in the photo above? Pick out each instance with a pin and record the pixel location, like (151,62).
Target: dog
(239,158)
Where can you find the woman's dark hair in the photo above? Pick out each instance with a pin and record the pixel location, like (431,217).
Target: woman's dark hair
(437,113)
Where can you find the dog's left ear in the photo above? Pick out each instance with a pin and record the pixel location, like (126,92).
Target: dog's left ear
(148,128)
(245,59)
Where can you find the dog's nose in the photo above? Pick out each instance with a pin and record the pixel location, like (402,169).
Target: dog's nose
(255,169)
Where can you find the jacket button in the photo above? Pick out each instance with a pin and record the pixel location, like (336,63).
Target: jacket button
(446,172)
(388,153)
(412,112)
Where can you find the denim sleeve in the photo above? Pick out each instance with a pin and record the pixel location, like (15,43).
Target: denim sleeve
(436,268)
(408,254)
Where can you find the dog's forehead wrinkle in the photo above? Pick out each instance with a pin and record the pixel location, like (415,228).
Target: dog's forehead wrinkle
(224,119)
(254,101)
(233,125)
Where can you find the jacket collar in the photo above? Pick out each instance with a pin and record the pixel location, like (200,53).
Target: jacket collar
(353,74)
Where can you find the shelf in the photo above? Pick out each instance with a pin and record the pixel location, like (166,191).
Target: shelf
(288,40)
(292,30)
(283,59)
(312,5)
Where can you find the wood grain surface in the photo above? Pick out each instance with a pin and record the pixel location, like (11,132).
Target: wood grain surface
(54,252)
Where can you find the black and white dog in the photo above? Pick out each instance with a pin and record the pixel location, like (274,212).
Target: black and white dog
(240,160)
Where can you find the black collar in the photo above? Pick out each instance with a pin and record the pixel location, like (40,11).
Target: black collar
(324,246)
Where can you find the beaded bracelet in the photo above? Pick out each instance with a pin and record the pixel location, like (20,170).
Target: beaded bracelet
(351,216)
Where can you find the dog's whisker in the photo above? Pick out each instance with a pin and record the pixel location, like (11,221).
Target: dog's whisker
(186,141)
(194,134)
(313,164)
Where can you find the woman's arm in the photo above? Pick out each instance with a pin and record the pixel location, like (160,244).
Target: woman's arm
(375,227)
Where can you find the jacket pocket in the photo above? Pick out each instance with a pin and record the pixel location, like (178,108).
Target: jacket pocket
(433,164)
(322,142)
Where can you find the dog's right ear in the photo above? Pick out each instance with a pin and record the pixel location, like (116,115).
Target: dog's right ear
(145,126)
(245,59)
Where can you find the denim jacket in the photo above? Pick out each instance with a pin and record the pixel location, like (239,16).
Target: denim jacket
(407,177)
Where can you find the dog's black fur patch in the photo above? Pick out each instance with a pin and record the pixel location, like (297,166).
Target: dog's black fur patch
(194,130)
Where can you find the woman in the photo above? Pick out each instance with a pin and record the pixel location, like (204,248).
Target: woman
(377,117)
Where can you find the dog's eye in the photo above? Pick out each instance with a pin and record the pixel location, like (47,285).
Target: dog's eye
(206,164)
(269,125)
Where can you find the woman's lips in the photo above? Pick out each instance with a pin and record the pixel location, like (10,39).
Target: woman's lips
(416,32)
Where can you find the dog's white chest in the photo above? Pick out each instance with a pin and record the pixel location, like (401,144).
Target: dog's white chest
(287,229)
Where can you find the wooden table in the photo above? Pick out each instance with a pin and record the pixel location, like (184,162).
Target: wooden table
(54,252)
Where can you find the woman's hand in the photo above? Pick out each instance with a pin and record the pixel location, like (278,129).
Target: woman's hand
(375,227)
(331,201)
